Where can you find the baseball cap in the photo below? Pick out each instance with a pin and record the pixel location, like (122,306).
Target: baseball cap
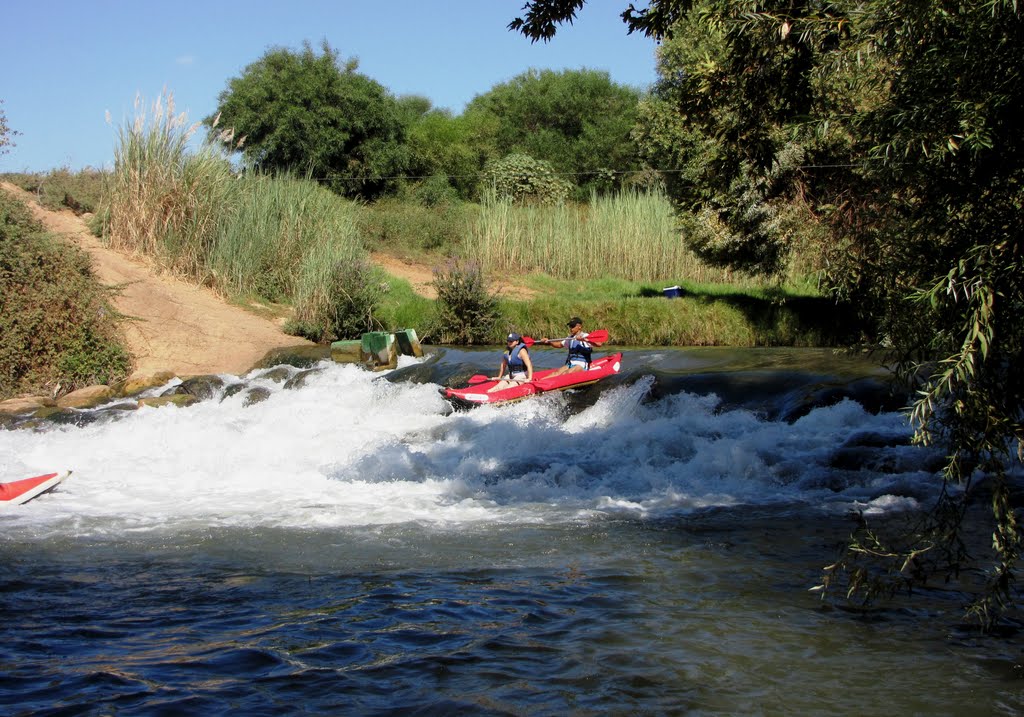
(513,337)
(574,321)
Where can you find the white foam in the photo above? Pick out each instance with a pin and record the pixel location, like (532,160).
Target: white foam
(345,449)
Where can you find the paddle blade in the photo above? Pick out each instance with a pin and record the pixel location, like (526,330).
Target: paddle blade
(597,337)
(528,341)
(478,378)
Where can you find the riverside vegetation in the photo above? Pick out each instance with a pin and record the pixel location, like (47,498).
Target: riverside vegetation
(288,240)
(869,150)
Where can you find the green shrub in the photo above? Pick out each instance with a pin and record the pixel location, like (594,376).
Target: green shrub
(412,227)
(81,192)
(58,331)
(466,311)
(523,179)
(344,307)
(356,290)
(267,228)
(329,271)
(29,181)
(436,191)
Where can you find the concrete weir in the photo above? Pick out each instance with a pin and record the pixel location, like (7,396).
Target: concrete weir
(378,349)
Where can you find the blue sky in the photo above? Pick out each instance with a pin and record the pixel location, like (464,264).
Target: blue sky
(65,63)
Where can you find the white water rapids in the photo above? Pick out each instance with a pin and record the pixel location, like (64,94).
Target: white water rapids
(346,449)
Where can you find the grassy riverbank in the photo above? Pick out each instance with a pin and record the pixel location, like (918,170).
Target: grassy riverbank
(288,241)
(638,314)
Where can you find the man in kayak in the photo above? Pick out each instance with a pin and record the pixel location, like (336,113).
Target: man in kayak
(580,349)
(515,362)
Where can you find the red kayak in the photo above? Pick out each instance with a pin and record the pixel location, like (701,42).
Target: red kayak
(476,393)
(21,491)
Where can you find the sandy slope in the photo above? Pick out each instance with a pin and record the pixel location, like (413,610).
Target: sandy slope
(177,327)
(190,330)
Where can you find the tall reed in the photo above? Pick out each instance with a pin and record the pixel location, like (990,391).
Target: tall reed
(273,221)
(166,201)
(319,247)
(632,235)
(276,238)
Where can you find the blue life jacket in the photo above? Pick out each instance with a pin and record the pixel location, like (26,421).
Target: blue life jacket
(515,363)
(579,350)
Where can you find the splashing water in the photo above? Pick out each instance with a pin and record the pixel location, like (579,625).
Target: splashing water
(347,449)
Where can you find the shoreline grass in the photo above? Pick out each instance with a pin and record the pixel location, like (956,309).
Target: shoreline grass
(287,240)
(634,235)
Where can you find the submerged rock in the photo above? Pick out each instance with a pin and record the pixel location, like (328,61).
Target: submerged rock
(299,379)
(25,404)
(88,397)
(141,381)
(232,390)
(278,374)
(257,394)
(180,399)
(72,417)
(202,387)
(302,356)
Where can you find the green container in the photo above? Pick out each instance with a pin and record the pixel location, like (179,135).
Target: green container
(408,342)
(378,349)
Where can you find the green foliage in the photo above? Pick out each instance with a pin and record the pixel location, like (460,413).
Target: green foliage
(6,133)
(467,313)
(276,238)
(655,19)
(285,239)
(400,307)
(435,191)
(629,235)
(446,154)
(638,314)
(579,121)
(166,201)
(892,128)
(82,191)
(356,291)
(57,329)
(340,303)
(411,227)
(335,291)
(304,112)
(268,228)
(523,179)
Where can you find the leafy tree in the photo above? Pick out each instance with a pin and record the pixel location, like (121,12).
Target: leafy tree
(445,151)
(893,127)
(5,132)
(306,112)
(578,120)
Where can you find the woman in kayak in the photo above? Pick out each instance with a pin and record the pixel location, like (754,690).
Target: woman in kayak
(515,362)
(580,349)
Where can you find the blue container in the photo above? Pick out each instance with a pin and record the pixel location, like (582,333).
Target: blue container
(672,292)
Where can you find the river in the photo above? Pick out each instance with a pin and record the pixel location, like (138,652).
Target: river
(350,545)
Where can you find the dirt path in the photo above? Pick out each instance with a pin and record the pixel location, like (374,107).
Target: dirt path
(189,329)
(177,326)
(421,276)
